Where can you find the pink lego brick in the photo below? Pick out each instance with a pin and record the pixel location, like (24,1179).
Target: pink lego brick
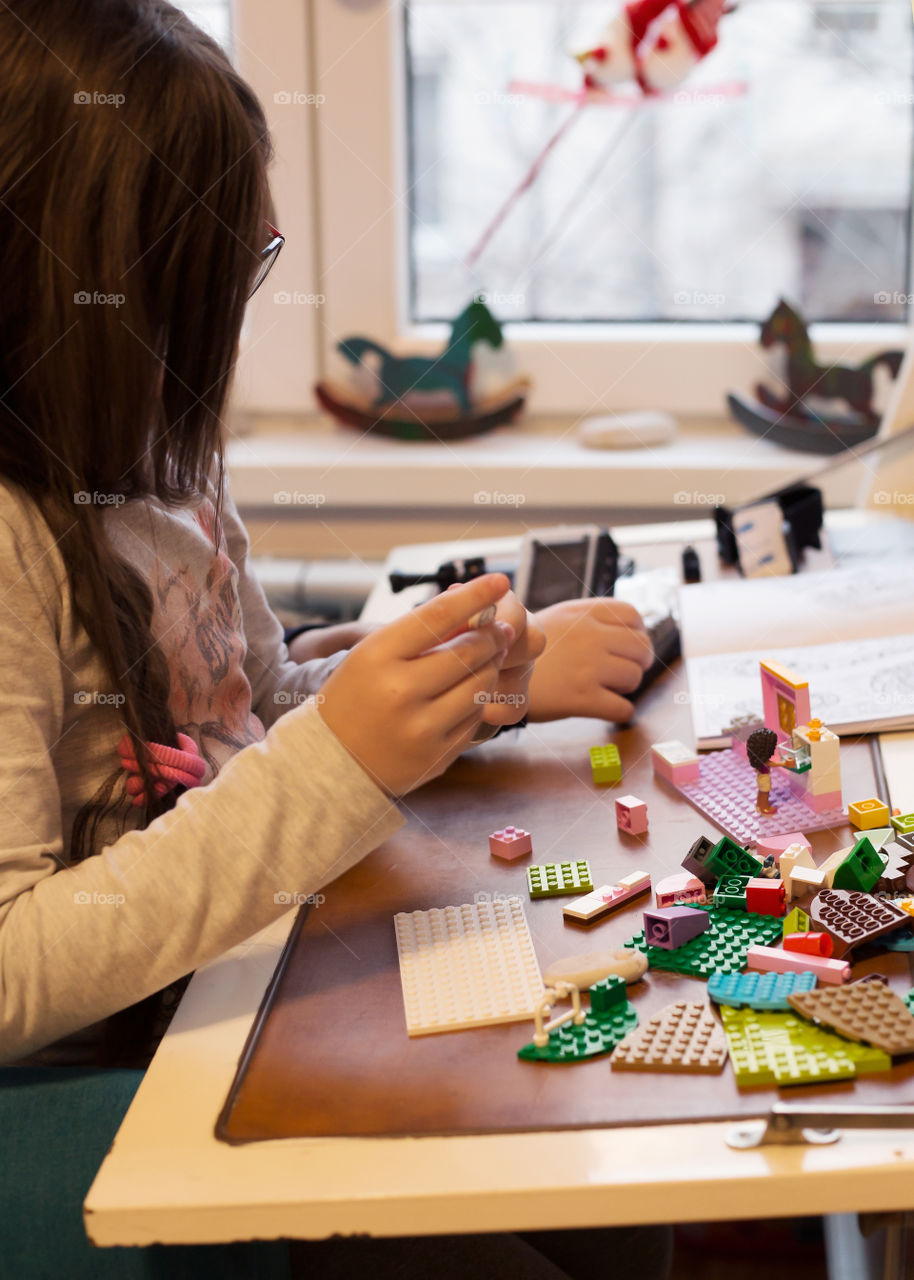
(774,960)
(608,898)
(726,793)
(776,845)
(675,762)
(679,888)
(510,843)
(631,815)
(826,803)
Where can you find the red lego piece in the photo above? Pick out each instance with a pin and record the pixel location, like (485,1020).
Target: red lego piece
(766,897)
(811,944)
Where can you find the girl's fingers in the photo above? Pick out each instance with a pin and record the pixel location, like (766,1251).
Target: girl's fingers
(447,665)
(610,706)
(622,674)
(440,618)
(468,699)
(626,643)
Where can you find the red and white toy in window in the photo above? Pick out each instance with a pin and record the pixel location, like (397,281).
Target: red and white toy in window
(653,42)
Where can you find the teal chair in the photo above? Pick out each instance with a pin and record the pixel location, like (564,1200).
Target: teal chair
(56,1126)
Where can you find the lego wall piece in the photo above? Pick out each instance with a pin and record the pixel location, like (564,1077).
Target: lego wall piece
(679,888)
(758,990)
(673,927)
(864,814)
(555,879)
(853,918)
(868,1012)
(860,869)
(730,892)
(585,970)
(805,880)
(818,786)
(606,765)
(777,960)
(729,858)
(879,837)
(796,921)
(782,1049)
(776,844)
(810,944)
(467,966)
(607,899)
(766,897)
(510,843)
(675,762)
(795,855)
(895,868)
(609,1020)
(683,1037)
(631,815)
(722,947)
(696,861)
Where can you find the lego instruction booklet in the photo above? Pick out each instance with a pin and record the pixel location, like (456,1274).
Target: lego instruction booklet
(848,631)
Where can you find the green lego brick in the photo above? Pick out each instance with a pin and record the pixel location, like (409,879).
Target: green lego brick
(730,892)
(860,869)
(722,947)
(796,921)
(554,879)
(903,822)
(909,999)
(606,764)
(729,858)
(782,1049)
(610,1019)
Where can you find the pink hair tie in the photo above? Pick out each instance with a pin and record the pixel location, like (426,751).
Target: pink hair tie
(170,766)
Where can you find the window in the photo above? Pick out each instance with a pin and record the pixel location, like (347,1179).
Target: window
(214,16)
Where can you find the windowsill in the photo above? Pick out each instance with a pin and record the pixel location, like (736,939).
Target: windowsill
(538,466)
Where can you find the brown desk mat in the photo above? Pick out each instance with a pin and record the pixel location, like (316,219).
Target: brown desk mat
(329,1055)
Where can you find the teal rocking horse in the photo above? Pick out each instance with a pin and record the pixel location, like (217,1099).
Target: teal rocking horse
(449,371)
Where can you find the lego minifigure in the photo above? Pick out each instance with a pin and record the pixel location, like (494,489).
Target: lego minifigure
(760,748)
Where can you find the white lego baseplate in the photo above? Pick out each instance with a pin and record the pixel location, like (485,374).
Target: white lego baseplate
(468,966)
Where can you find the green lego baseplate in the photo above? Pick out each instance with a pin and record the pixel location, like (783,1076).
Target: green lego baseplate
(722,948)
(554,879)
(606,764)
(609,1021)
(783,1049)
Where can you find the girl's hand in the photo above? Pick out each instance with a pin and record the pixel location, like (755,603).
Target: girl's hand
(409,698)
(596,650)
(510,698)
(321,642)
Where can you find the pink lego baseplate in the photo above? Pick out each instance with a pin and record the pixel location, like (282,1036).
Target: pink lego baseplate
(726,793)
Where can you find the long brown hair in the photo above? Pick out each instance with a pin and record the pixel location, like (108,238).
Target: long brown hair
(132,197)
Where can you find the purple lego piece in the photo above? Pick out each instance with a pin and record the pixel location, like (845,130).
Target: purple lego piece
(727,792)
(671,927)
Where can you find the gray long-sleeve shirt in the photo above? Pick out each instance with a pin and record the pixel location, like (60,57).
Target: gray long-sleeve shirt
(284,808)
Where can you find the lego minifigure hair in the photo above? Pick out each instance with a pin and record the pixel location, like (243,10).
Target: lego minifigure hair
(760,747)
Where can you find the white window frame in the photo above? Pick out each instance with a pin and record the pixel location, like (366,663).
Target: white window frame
(340,194)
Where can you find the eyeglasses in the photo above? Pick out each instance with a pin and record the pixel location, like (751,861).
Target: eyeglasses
(267,257)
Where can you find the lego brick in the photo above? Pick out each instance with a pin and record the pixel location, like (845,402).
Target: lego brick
(679,888)
(860,869)
(683,1037)
(606,764)
(795,855)
(781,1049)
(776,845)
(696,861)
(610,1019)
(776,960)
(810,944)
(585,970)
(673,927)
(607,899)
(853,918)
(868,1012)
(864,814)
(896,862)
(796,921)
(805,880)
(903,822)
(766,897)
(729,858)
(510,843)
(758,990)
(879,837)
(467,966)
(770,868)
(723,946)
(675,762)
(730,892)
(555,879)
(901,940)
(631,815)
(726,793)
(831,864)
